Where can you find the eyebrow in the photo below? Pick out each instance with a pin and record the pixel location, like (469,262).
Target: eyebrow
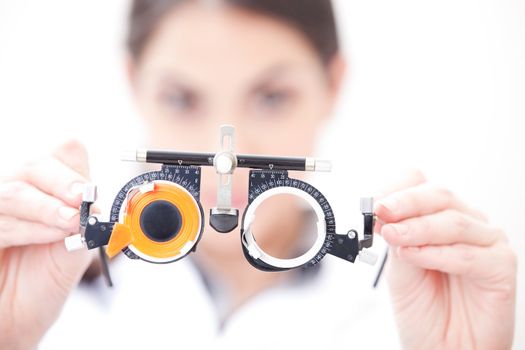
(178,80)
(268,74)
(273,71)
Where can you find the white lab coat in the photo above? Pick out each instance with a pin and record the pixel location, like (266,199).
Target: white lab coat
(168,307)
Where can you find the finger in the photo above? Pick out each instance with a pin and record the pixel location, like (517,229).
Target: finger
(399,274)
(461,259)
(445,227)
(62,176)
(16,232)
(54,178)
(409,179)
(419,200)
(25,202)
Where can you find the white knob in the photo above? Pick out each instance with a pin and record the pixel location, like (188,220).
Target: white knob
(223,164)
(368,257)
(74,242)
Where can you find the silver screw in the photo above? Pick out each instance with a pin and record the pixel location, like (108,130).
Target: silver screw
(351,234)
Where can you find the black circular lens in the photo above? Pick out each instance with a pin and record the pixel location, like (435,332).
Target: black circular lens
(160,221)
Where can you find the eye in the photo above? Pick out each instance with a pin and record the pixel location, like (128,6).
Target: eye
(179,101)
(273,99)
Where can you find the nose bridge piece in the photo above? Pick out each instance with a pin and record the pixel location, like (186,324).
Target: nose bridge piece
(224,218)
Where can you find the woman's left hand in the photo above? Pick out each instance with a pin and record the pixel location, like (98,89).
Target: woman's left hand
(452,276)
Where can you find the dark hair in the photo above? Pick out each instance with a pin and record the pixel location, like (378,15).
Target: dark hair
(313,18)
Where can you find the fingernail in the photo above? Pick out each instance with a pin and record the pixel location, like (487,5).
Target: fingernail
(400,229)
(67,213)
(76,189)
(390,203)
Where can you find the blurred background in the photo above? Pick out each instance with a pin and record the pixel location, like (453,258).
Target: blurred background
(438,86)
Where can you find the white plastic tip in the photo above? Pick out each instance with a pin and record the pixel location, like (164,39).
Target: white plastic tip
(367,257)
(129,156)
(367,205)
(323,165)
(89,193)
(74,242)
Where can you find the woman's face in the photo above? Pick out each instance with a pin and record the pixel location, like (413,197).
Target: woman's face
(208,65)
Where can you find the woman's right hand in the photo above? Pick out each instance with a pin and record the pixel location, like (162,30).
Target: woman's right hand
(38,209)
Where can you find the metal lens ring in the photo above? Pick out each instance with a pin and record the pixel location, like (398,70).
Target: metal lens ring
(266,184)
(184,180)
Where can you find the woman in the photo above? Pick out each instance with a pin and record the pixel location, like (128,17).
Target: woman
(264,66)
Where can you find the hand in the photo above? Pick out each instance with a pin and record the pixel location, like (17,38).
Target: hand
(452,276)
(38,209)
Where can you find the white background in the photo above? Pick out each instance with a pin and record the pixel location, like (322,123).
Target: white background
(438,86)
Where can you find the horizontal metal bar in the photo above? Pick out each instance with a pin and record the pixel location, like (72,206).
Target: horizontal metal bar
(243,160)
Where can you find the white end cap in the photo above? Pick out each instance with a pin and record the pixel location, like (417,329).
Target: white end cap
(323,165)
(368,257)
(74,242)
(367,205)
(89,193)
(129,156)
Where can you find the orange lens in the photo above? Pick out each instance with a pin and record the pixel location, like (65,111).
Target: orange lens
(164,195)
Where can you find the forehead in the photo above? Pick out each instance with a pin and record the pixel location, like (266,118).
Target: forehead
(203,40)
